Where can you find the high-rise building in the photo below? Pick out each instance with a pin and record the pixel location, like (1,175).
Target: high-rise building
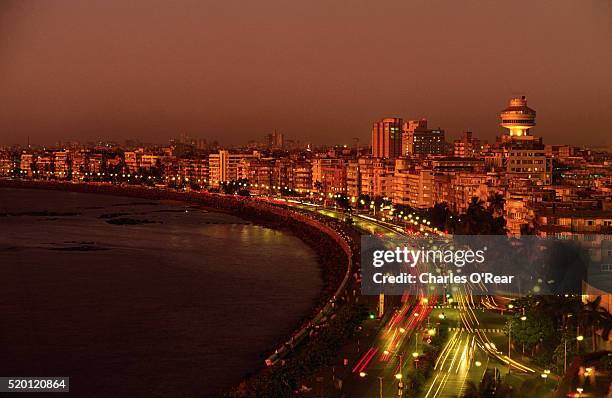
(223,166)
(387,138)
(275,140)
(417,139)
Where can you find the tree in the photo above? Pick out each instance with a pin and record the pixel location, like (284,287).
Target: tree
(343,202)
(439,215)
(552,307)
(480,220)
(595,317)
(531,330)
(382,201)
(496,204)
(234,186)
(363,201)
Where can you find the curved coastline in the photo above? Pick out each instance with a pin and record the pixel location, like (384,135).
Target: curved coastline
(335,252)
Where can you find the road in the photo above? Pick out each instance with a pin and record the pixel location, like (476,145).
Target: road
(473,345)
(392,347)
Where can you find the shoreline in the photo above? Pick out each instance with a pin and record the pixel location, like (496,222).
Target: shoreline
(333,252)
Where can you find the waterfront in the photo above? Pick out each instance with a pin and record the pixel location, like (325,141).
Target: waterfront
(164,300)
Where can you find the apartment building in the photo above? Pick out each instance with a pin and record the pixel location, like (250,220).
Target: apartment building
(223,166)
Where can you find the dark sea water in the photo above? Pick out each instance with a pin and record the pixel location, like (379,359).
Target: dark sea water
(182,304)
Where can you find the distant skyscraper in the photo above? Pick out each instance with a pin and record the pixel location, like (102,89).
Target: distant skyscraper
(518,118)
(417,139)
(276,140)
(387,138)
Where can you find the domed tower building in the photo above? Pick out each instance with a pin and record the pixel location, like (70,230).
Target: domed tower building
(518,118)
(524,154)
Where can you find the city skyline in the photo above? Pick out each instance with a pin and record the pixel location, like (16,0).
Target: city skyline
(403,127)
(281,199)
(320,75)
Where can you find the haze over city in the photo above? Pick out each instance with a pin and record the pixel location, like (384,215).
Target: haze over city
(317,71)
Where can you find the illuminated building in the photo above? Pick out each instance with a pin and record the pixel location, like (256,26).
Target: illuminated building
(353,176)
(302,176)
(417,139)
(518,118)
(7,163)
(193,170)
(223,166)
(387,138)
(529,165)
(467,146)
(61,164)
(132,160)
(258,172)
(329,175)
(413,187)
(376,176)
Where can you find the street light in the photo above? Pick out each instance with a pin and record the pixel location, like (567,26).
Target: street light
(398,376)
(362,374)
(509,344)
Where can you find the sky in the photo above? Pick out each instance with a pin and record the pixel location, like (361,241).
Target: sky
(320,71)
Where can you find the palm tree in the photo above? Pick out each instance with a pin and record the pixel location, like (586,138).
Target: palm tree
(496,204)
(476,220)
(595,317)
(439,215)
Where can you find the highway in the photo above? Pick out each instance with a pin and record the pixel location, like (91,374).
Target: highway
(472,347)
